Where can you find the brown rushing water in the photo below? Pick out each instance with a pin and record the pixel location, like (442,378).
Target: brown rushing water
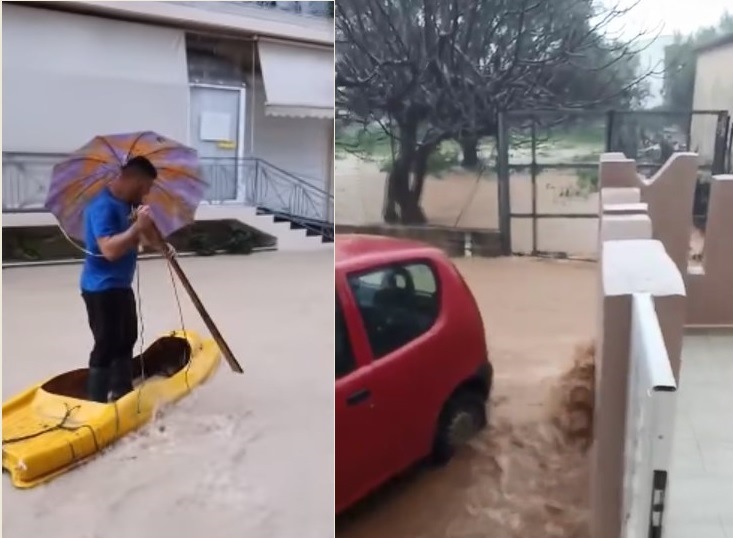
(516,479)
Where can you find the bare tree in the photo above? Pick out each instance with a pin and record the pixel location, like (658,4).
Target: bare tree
(432,70)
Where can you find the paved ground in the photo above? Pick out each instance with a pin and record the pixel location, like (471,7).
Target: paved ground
(248,455)
(701,486)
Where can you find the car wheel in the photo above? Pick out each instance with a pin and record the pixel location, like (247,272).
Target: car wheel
(463,415)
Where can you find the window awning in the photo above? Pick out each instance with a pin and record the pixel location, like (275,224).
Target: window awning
(298,78)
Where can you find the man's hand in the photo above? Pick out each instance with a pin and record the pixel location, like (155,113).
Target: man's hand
(144,221)
(149,235)
(115,246)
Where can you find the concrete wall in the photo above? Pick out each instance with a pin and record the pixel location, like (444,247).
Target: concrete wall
(631,263)
(643,242)
(713,91)
(710,287)
(669,197)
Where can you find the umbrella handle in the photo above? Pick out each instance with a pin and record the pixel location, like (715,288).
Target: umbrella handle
(210,325)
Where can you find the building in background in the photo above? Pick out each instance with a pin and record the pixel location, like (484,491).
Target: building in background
(713,91)
(250,85)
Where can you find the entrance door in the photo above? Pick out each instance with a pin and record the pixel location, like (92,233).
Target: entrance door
(215,132)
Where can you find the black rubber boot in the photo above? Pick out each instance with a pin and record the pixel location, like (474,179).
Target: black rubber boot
(120,382)
(98,384)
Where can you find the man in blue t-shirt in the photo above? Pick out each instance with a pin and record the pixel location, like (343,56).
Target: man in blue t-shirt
(112,238)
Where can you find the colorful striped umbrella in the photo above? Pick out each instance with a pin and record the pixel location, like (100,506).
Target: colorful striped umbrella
(173,200)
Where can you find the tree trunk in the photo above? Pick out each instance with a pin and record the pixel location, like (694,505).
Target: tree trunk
(406,180)
(469,147)
(411,210)
(412,213)
(420,169)
(398,187)
(397,199)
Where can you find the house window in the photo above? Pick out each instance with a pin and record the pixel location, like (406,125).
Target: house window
(207,67)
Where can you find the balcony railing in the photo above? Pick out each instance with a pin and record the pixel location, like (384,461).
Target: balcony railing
(250,181)
(256,182)
(315,9)
(312,9)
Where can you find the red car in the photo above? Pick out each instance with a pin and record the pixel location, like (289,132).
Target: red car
(412,369)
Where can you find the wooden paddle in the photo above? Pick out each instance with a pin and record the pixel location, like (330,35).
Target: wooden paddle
(225,350)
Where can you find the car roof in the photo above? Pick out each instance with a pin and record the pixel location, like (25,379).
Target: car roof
(360,251)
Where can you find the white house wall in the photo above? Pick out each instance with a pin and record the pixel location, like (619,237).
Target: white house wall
(68,77)
(713,91)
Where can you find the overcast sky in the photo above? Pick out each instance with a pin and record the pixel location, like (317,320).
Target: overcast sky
(684,16)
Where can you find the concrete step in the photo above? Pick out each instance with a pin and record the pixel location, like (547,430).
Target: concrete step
(287,238)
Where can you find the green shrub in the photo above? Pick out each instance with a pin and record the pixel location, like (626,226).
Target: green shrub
(365,142)
(443,159)
(588,180)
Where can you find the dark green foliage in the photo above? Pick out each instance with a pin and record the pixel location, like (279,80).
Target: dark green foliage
(45,243)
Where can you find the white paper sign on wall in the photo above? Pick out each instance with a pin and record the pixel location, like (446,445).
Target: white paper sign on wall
(215,126)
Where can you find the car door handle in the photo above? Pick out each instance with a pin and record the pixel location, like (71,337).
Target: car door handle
(358,397)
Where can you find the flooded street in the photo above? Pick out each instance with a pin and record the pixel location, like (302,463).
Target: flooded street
(467,199)
(244,455)
(518,479)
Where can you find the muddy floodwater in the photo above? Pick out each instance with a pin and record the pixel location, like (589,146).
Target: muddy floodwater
(466,199)
(244,456)
(516,479)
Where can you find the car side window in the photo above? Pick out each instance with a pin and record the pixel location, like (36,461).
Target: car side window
(345,361)
(398,303)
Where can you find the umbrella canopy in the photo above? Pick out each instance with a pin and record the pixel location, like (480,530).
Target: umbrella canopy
(173,199)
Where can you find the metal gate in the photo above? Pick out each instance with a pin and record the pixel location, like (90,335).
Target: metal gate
(570,141)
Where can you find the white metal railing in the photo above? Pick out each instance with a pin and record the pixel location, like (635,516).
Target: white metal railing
(249,181)
(650,415)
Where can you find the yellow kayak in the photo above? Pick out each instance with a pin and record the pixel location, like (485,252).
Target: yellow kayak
(52,427)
